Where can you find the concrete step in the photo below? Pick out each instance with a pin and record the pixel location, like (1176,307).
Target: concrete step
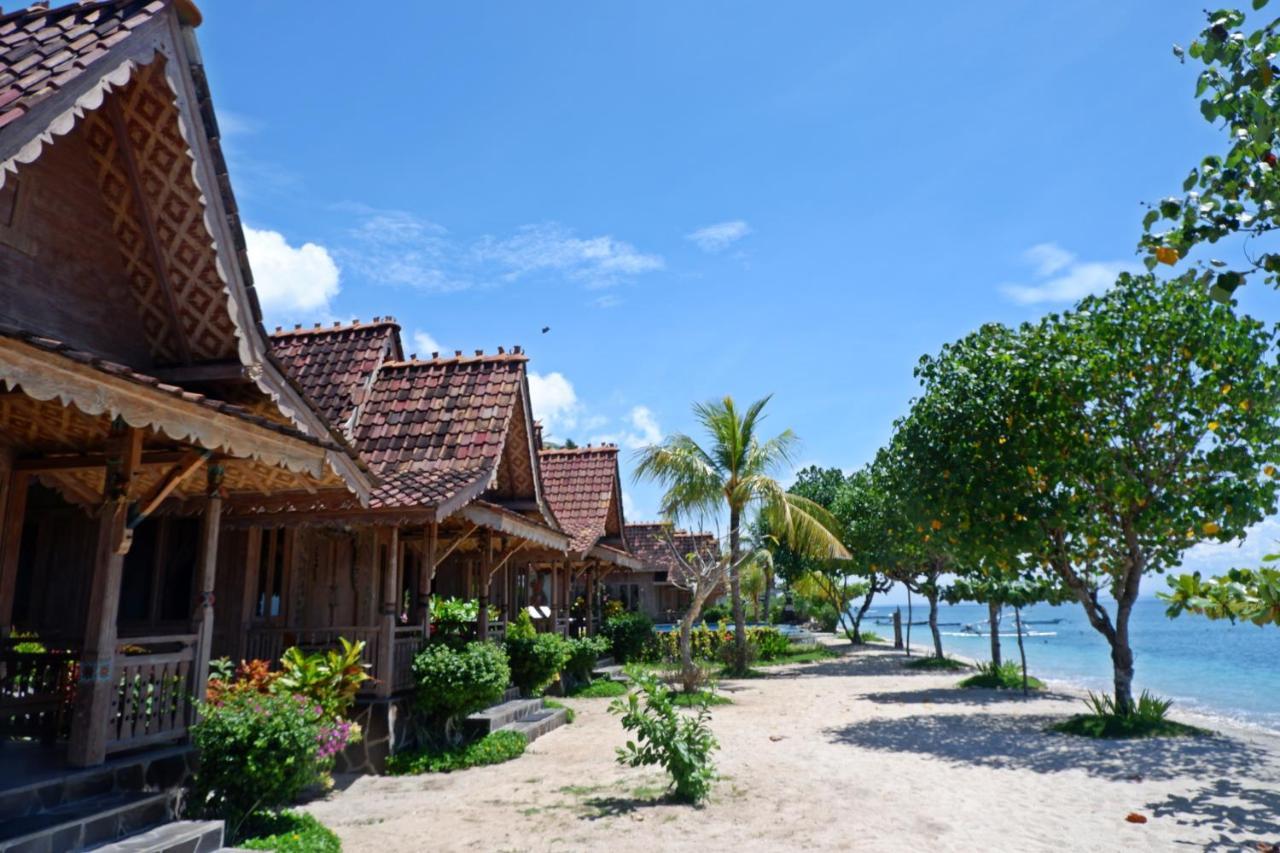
(87,822)
(607,660)
(612,672)
(496,716)
(539,723)
(510,694)
(184,836)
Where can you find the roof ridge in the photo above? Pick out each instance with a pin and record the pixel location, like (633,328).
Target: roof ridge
(515,354)
(299,330)
(568,451)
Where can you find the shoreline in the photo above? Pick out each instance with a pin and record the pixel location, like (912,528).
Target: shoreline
(1214,721)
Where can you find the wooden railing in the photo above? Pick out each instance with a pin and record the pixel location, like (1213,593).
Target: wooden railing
(37,692)
(152,702)
(409,641)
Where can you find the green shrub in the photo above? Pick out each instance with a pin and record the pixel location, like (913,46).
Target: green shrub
(628,635)
(680,743)
(455,682)
(521,628)
(453,620)
(1007,676)
(1147,718)
(728,653)
(257,751)
(870,636)
(584,653)
(535,662)
(288,832)
(329,678)
(718,613)
(569,714)
(771,642)
(599,690)
(826,615)
(493,748)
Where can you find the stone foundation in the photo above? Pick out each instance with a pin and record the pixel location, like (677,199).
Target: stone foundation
(385,723)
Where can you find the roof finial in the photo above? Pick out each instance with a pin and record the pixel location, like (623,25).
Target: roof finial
(435,355)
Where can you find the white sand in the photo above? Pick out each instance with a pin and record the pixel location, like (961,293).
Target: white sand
(856,753)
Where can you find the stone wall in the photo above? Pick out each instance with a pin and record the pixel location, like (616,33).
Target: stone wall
(385,723)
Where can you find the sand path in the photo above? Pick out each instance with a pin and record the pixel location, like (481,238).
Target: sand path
(855,753)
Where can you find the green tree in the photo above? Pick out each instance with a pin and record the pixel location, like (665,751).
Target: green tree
(1127,431)
(1233,192)
(860,506)
(1247,595)
(735,473)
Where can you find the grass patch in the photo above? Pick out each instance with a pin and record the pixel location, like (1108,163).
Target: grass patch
(493,748)
(802,654)
(690,700)
(568,712)
(936,664)
(288,832)
(870,637)
(602,689)
(1008,676)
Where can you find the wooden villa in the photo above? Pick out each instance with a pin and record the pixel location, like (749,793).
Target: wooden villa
(649,589)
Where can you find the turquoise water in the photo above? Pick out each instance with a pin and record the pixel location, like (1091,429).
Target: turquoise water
(1215,668)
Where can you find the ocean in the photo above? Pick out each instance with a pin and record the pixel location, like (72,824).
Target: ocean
(1218,669)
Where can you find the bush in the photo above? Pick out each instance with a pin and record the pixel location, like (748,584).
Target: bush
(288,832)
(330,678)
(718,613)
(936,663)
(1007,676)
(455,682)
(257,751)
(1147,718)
(493,748)
(584,654)
(771,642)
(628,635)
(681,744)
(536,662)
(826,615)
(453,620)
(728,653)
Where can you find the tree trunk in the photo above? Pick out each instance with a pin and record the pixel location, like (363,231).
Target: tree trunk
(1122,660)
(933,623)
(735,590)
(688,672)
(909,621)
(768,599)
(862,611)
(897,628)
(1022,652)
(993,622)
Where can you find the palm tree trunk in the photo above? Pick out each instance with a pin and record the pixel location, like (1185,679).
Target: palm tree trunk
(993,622)
(735,591)
(768,598)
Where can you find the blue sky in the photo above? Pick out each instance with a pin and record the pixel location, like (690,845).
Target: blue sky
(701,199)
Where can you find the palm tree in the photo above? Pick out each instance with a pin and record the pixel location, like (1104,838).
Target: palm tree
(735,472)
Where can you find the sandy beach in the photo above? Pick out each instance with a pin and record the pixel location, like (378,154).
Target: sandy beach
(851,753)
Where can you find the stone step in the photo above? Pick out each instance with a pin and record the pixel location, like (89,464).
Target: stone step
(612,672)
(184,836)
(86,822)
(538,724)
(35,789)
(496,716)
(510,694)
(607,660)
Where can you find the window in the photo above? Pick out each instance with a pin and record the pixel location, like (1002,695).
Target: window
(272,563)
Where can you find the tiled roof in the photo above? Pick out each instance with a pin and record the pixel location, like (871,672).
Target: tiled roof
(580,485)
(121,371)
(333,366)
(434,487)
(648,541)
(42,50)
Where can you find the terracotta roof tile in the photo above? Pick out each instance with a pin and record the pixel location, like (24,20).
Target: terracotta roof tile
(580,486)
(42,50)
(333,365)
(649,542)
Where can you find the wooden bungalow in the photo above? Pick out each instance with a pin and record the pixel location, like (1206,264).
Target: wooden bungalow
(139,394)
(649,589)
(584,489)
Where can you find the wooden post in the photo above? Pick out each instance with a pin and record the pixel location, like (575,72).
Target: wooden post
(426,575)
(486,566)
(249,594)
(97,687)
(390,608)
(206,578)
(590,583)
(13,507)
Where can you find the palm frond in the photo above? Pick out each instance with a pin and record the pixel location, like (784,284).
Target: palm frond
(805,526)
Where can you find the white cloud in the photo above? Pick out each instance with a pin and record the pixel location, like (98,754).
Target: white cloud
(424,344)
(290,281)
(232,123)
(1216,558)
(554,402)
(1061,277)
(396,247)
(642,430)
(718,237)
(598,261)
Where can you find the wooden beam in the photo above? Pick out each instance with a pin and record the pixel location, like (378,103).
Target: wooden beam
(148,226)
(210,371)
(14,513)
(507,556)
(390,609)
(427,574)
(51,464)
(148,504)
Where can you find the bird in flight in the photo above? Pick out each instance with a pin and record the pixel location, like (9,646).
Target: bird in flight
(546,329)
